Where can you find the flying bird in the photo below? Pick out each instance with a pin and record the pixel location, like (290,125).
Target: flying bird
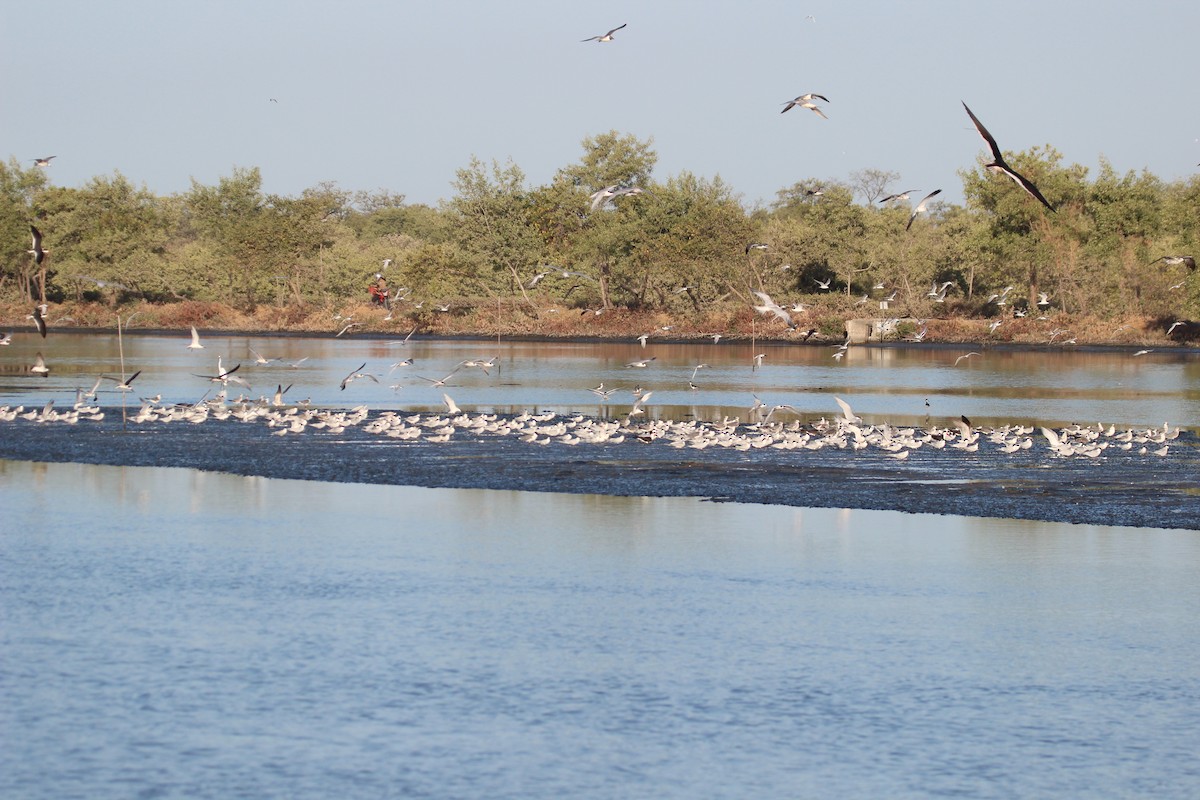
(898,196)
(921,207)
(769,306)
(804,101)
(998,164)
(1187,261)
(756,246)
(39,366)
(195,345)
(37,251)
(43,162)
(355,374)
(38,320)
(608,37)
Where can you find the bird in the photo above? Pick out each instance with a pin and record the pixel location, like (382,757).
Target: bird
(608,37)
(37,251)
(756,246)
(451,406)
(258,357)
(43,162)
(823,285)
(348,326)
(1142,353)
(847,413)
(645,362)
(601,196)
(39,321)
(223,375)
(898,196)
(769,306)
(965,355)
(195,345)
(1174,325)
(1187,261)
(1043,299)
(5,339)
(811,107)
(642,340)
(998,164)
(921,207)
(801,100)
(39,366)
(277,400)
(758,359)
(355,374)
(124,385)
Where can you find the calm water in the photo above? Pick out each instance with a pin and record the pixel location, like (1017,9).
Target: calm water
(171,633)
(891,384)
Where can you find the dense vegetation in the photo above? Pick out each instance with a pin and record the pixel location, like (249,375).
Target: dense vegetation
(678,248)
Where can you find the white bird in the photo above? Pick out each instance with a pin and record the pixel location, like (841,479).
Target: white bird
(356,374)
(37,251)
(44,161)
(39,366)
(769,306)
(921,207)
(965,355)
(1174,325)
(898,196)
(802,100)
(195,345)
(451,406)
(607,37)
(847,414)
(642,363)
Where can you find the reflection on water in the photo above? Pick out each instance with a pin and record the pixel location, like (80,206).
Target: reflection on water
(892,383)
(170,632)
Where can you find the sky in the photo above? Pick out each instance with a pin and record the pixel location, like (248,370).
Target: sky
(400,95)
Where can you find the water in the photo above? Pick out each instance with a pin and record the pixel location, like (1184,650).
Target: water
(176,633)
(881,383)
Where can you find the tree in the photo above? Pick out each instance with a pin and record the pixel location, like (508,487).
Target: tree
(19,190)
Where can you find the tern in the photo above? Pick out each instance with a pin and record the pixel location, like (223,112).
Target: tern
(965,355)
(921,207)
(39,366)
(898,196)
(37,251)
(608,37)
(823,285)
(998,164)
(451,406)
(641,364)
(43,162)
(195,345)
(124,385)
(802,100)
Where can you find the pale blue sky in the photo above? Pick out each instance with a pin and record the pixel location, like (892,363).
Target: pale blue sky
(398,95)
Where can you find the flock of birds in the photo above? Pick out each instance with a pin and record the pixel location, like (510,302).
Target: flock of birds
(762,426)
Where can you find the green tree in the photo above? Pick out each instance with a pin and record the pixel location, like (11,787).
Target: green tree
(19,189)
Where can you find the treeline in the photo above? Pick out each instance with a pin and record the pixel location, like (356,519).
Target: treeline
(606,233)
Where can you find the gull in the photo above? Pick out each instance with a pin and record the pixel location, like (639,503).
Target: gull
(296,364)
(921,207)
(348,326)
(124,385)
(601,196)
(223,375)
(39,366)
(998,164)
(39,321)
(195,345)
(534,280)
(716,337)
(642,363)
(387,262)
(802,100)
(993,325)
(696,369)
(602,393)
(43,162)
(451,406)
(847,414)
(356,374)
(642,339)
(258,359)
(277,400)
(769,306)
(405,363)
(1142,353)
(37,251)
(824,285)
(758,359)
(637,404)
(1177,286)
(756,246)
(405,339)
(5,339)
(608,37)
(898,196)
(1174,325)
(965,355)
(1043,299)
(1187,261)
